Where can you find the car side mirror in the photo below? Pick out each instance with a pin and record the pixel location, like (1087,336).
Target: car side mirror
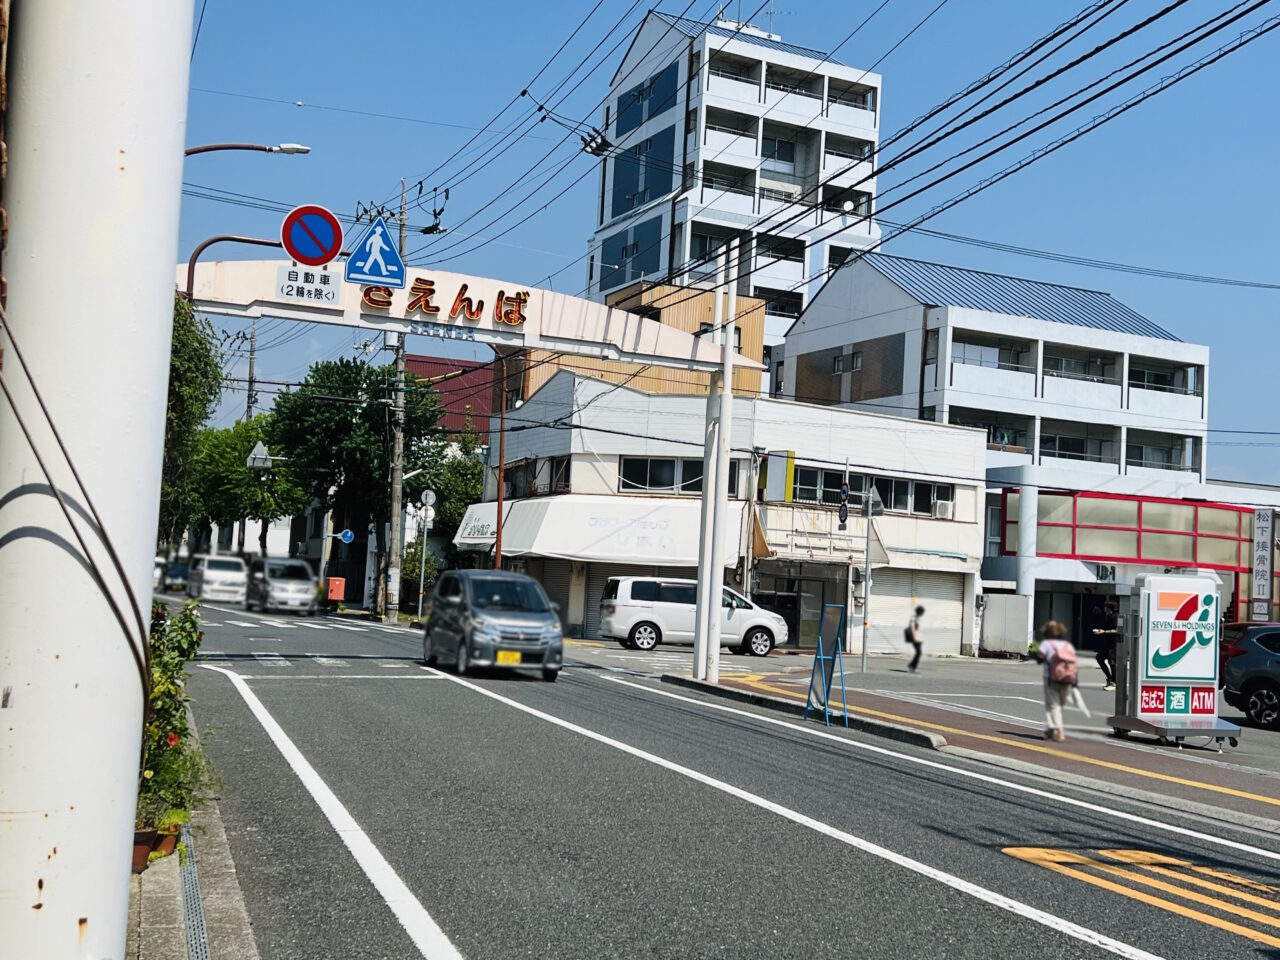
(453,601)
(259,575)
(555,606)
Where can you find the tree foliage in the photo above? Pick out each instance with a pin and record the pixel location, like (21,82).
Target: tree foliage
(458,480)
(195,385)
(227,490)
(336,430)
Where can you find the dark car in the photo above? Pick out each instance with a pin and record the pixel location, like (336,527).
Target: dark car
(491,618)
(175,577)
(1250,662)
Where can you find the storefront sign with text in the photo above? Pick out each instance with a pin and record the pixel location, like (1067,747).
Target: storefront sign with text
(507,308)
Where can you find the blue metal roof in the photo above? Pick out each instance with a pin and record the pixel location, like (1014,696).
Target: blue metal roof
(938,285)
(693,28)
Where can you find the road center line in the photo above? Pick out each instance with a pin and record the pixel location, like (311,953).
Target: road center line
(982,894)
(422,930)
(961,772)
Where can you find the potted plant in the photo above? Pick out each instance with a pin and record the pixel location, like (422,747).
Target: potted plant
(176,775)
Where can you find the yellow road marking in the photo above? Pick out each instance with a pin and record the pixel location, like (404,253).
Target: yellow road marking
(1058,860)
(586,643)
(1165,866)
(1036,748)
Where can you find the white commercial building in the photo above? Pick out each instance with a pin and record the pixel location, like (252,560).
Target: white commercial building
(1095,422)
(719,128)
(605,481)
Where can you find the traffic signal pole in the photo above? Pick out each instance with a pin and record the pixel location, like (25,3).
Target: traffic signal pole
(94,132)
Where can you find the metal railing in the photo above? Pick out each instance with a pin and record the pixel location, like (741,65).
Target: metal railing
(995,364)
(731,75)
(1170,464)
(845,155)
(791,88)
(1163,388)
(861,102)
(769,193)
(725,128)
(1114,379)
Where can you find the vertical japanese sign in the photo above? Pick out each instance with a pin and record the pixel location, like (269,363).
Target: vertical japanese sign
(1264,536)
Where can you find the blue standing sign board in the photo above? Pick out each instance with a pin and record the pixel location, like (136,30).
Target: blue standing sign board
(346,536)
(826,660)
(374,260)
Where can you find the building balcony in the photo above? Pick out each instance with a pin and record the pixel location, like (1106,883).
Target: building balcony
(1074,391)
(1166,404)
(783,274)
(722,198)
(1008,380)
(733,88)
(727,145)
(843,113)
(846,170)
(1091,463)
(791,103)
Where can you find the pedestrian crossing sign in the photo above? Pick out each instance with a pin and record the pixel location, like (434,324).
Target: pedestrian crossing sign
(374,260)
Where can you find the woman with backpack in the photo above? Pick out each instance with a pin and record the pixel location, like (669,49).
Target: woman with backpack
(1061,672)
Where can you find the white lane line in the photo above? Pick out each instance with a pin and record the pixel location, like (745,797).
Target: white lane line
(243,623)
(271,659)
(413,916)
(343,626)
(961,772)
(317,626)
(279,624)
(392,664)
(330,661)
(209,623)
(338,676)
(982,894)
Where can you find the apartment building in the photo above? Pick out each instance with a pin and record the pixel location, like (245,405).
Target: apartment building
(1095,421)
(719,128)
(613,488)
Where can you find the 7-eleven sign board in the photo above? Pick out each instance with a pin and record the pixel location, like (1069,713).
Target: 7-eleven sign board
(1178,647)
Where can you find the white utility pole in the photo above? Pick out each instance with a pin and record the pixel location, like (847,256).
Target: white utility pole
(723,464)
(392,605)
(868,512)
(94,132)
(707,519)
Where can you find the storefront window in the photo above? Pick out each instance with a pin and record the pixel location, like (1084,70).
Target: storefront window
(1169,547)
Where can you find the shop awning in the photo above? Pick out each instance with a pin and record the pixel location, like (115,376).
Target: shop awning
(656,531)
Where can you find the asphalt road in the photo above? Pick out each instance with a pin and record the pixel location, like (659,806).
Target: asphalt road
(378,809)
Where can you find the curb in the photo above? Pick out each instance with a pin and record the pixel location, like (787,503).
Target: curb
(878,728)
(1228,818)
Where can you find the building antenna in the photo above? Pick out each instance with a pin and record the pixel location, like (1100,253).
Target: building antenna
(770,17)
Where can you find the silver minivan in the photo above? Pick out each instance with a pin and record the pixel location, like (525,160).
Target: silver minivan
(491,618)
(281,584)
(641,612)
(217,578)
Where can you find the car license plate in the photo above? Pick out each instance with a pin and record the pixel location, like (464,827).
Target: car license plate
(509,657)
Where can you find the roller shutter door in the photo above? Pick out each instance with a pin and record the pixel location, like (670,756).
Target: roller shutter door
(555,580)
(894,596)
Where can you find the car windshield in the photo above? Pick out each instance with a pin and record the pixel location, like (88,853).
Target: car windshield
(232,565)
(177,570)
(500,593)
(288,571)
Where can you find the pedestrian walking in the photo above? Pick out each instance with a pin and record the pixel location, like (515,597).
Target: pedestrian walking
(1061,672)
(912,635)
(1110,634)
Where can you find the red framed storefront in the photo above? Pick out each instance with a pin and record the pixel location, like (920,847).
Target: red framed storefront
(1144,531)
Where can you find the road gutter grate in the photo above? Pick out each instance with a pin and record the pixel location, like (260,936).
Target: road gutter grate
(197,939)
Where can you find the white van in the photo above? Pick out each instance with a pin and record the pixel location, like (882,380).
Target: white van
(218,578)
(641,612)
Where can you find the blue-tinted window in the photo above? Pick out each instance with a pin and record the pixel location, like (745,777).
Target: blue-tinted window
(659,164)
(662,91)
(646,242)
(630,110)
(613,261)
(626,181)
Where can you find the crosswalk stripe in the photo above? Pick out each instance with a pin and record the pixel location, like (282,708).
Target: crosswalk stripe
(271,659)
(317,626)
(279,624)
(330,661)
(241,623)
(343,626)
(384,663)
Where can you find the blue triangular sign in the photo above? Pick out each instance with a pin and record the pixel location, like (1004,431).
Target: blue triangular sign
(374,259)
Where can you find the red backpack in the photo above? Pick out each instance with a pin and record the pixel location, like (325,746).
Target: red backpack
(1064,668)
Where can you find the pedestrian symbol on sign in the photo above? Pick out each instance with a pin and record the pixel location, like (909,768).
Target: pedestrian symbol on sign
(374,260)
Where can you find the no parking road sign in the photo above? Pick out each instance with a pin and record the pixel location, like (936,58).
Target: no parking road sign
(311,235)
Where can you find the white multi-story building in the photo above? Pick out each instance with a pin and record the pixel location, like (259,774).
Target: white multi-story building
(719,128)
(605,481)
(1095,420)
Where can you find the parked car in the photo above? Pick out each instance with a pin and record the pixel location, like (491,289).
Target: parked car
(218,578)
(281,585)
(641,612)
(175,577)
(491,618)
(1250,662)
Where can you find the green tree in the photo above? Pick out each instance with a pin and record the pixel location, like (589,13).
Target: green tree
(410,567)
(458,480)
(336,430)
(195,385)
(227,490)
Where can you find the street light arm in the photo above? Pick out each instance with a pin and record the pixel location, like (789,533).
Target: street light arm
(288,148)
(221,238)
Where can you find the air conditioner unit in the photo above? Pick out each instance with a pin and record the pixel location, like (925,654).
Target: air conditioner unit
(944,510)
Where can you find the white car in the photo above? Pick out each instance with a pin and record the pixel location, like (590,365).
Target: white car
(641,612)
(218,578)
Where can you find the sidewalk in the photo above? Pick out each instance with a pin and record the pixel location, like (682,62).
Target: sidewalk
(190,905)
(912,708)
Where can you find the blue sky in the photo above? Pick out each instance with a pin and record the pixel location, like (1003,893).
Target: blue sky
(1183,182)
